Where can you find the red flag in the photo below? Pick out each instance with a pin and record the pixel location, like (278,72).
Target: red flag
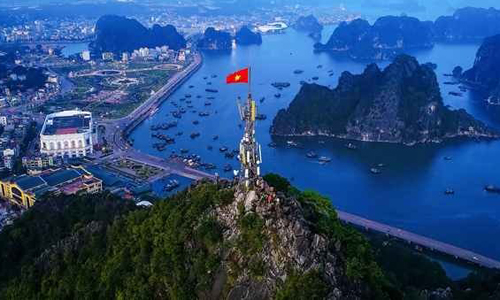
(238,77)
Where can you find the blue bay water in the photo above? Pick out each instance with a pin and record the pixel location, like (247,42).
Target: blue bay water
(408,194)
(73,48)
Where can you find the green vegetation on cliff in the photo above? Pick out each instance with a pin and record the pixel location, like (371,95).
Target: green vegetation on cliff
(205,242)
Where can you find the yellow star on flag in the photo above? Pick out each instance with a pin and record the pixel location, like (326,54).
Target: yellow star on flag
(237,77)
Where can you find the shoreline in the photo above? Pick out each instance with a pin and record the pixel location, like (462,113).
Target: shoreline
(443,140)
(155,101)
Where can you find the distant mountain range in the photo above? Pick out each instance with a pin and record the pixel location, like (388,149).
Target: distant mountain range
(400,104)
(386,38)
(468,24)
(119,34)
(392,35)
(308,23)
(215,40)
(244,36)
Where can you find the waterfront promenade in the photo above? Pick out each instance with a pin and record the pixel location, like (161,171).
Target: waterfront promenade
(118,130)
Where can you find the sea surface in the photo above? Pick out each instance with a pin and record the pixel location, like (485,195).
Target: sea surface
(73,48)
(410,191)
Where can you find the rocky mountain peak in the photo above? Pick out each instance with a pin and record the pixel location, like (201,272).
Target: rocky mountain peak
(401,104)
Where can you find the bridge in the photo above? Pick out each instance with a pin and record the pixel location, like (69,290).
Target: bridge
(422,241)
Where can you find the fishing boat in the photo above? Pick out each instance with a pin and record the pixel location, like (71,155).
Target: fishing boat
(351,146)
(311,154)
(280,85)
(261,117)
(209,166)
(449,192)
(375,171)
(492,189)
(456,94)
(171,185)
(324,159)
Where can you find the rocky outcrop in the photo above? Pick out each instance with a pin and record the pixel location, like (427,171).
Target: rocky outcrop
(289,243)
(308,24)
(391,35)
(245,36)
(215,40)
(485,73)
(211,241)
(467,24)
(119,34)
(401,104)
(385,39)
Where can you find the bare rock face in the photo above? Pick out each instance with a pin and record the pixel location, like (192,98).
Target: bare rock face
(485,72)
(216,241)
(288,244)
(384,40)
(308,24)
(400,104)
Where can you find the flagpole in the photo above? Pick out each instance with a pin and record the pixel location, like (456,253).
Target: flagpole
(249,81)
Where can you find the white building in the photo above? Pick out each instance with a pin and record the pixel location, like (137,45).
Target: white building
(3,120)
(68,134)
(273,27)
(86,55)
(143,52)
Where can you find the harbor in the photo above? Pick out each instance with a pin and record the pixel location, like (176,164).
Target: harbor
(409,191)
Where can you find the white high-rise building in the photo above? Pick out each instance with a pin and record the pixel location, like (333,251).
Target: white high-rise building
(144,52)
(68,134)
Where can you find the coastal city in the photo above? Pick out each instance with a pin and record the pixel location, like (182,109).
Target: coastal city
(139,105)
(56,108)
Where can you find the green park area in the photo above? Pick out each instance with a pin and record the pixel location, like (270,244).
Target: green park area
(110,90)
